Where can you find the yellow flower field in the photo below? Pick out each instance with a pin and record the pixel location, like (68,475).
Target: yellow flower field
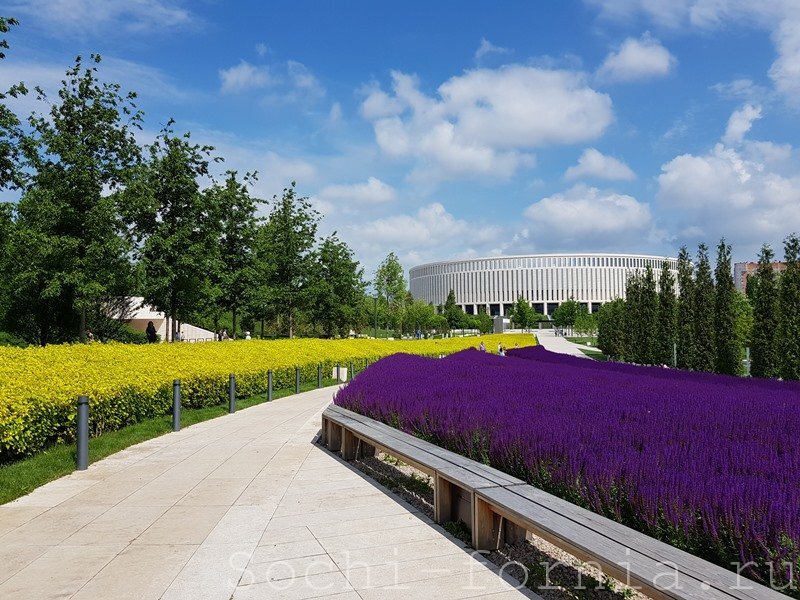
(125,383)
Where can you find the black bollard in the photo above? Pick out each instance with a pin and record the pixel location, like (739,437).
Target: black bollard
(319,375)
(176,405)
(232,394)
(297,380)
(269,385)
(351,373)
(83,433)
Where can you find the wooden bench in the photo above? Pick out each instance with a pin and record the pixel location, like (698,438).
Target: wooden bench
(500,508)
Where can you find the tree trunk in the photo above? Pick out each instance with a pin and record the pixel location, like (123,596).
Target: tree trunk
(233,318)
(82,326)
(262,327)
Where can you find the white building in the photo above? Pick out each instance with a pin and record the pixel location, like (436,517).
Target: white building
(544,280)
(142,313)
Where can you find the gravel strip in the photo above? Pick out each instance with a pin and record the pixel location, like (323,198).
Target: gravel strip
(541,566)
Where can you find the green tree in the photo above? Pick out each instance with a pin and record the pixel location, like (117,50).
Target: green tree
(82,148)
(177,228)
(287,245)
(566,313)
(11,134)
(585,324)
(611,325)
(789,332)
(726,345)
(420,316)
(390,285)
(453,313)
(337,288)
(236,211)
(704,300)
(667,316)
(763,289)
(522,314)
(686,304)
(743,311)
(641,308)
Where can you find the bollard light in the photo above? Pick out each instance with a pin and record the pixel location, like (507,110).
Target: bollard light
(232,394)
(83,433)
(269,385)
(176,405)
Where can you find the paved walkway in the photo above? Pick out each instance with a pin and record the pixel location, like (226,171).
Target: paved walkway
(557,343)
(241,507)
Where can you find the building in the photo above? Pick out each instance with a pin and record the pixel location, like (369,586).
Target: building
(141,314)
(743,270)
(544,280)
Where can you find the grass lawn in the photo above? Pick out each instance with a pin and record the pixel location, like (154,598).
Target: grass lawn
(586,341)
(23,476)
(595,355)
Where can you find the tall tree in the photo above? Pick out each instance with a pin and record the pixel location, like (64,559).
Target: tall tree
(566,313)
(666,335)
(522,314)
(390,285)
(611,329)
(82,148)
(11,134)
(236,211)
(287,244)
(338,287)
(704,336)
(726,343)
(790,310)
(685,325)
(763,289)
(452,312)
(648,318)
(176,225)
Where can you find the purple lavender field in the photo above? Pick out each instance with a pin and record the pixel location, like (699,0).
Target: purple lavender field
(708,463)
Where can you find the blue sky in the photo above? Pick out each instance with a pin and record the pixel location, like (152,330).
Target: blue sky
(442,130)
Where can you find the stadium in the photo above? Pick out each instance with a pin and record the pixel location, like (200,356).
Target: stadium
(544,280)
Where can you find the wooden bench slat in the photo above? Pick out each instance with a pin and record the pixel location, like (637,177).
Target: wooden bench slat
(491,473)
(602,537)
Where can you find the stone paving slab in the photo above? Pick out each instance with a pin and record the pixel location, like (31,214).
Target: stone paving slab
(243,506)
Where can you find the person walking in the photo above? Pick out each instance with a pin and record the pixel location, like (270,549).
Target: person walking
(151,333)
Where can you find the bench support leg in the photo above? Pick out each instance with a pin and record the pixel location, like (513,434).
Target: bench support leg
(366,450)
(349,442)
(443,498)
(334,436)
(484,526)
(323,436)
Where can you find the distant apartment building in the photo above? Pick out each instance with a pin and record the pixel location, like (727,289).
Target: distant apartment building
(743,270)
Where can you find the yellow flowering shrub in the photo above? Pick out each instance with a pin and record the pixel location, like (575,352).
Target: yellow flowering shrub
(126,384)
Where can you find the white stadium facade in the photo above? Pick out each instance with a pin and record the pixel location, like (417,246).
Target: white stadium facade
(544,280)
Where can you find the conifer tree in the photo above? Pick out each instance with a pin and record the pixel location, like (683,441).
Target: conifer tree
(789,335)
(685,325)
(763,289)
(726,345)
(648,317)
(667,316)
(704,339)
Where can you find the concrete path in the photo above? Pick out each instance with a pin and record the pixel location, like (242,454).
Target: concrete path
(244,506)
(556,343)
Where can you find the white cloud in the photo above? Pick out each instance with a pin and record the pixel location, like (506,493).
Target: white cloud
(373,191)
(303,81)
(593,163)
(740,123)
(781,18)
(76,18)
(484,122)
(488,47)
(583,216)
(244,76)
(262,49)
(637,59)
(748,191)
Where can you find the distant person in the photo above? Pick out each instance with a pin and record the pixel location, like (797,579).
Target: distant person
(501,351)
(89,335)
(482,347)
(247,335)
(225,335)
(151,333)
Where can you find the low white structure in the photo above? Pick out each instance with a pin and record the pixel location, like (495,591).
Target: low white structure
(544,280)
(143,313)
